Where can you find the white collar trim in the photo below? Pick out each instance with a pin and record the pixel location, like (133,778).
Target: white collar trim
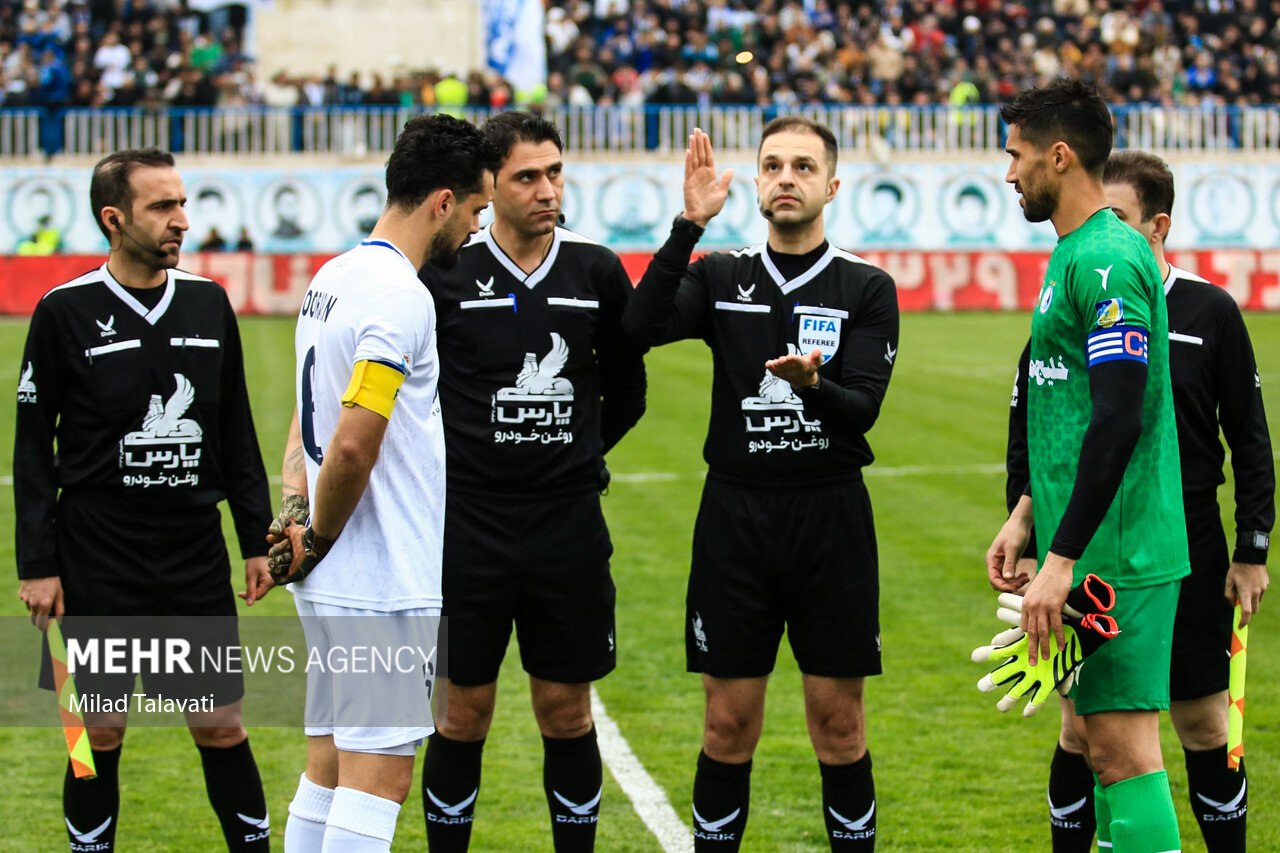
(153,315)
(802,279)
(530,280)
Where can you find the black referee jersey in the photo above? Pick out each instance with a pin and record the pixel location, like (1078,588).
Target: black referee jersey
(753,305)
(144,393)
(1215,383)
(537,380)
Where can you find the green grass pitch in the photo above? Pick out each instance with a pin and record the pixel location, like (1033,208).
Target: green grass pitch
(951,772)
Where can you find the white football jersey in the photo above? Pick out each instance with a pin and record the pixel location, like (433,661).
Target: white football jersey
(368,305)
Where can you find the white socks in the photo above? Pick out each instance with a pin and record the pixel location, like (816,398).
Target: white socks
(341,820)
(304,831)
(360,823)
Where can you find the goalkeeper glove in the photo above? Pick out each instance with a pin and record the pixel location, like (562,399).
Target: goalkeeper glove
(1009,647)
(1085,627)
(293,510)
(297,556)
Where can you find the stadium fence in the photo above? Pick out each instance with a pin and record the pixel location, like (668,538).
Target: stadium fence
(363,131)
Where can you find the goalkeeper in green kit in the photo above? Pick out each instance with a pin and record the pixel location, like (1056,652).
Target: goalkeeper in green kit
(1105,476)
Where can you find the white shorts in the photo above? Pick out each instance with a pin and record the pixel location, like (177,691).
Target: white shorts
(370,675)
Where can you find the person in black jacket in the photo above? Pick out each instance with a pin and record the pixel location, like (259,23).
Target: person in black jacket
(1216,384)
(134,370)
(803,338)
(537,384)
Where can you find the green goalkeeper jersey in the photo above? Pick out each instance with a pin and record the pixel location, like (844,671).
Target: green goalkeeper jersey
(1102,301)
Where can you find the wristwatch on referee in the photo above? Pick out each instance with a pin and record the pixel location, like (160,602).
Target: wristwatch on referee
(806,392)
(1256,540)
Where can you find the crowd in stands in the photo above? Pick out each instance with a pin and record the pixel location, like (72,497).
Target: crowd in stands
(785,52)
(773,53)
(93,53)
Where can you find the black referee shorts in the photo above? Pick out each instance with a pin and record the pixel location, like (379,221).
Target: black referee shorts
(1200,665)
(763,560)
(147,572)
(539,563)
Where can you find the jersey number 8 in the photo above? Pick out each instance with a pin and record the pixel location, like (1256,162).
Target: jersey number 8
(307,413)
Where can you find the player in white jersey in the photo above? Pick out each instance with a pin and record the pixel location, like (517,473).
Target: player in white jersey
(365,568)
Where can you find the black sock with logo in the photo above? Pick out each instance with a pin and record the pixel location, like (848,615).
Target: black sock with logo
(721,803)
(849,804)
(91,807)
(573,779)
(235,791)
(450,788)
(1072,820)
(1219,799)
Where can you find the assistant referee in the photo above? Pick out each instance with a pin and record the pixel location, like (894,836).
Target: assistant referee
(135,371)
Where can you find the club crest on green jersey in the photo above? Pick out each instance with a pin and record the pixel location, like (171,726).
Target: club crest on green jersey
(1046,297)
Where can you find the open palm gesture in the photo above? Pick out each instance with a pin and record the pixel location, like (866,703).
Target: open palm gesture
(704,193)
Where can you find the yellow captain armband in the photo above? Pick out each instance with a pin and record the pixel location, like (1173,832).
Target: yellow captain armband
(374,386)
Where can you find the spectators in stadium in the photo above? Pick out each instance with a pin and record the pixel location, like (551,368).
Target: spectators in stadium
(787,53)
(781,53)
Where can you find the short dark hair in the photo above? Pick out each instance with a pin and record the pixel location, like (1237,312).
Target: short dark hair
(505,130)
(1149,176)
(437,152)
(782,124)
(109,186)
(1064,110)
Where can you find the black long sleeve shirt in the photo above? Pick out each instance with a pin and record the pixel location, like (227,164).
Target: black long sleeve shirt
(537,379)
(748,310)
(145,405)
(1215,385)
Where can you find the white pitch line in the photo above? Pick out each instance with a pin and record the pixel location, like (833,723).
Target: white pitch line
(648,799)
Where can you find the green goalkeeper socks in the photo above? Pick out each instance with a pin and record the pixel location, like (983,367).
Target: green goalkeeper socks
(1142,815)
(1102,813)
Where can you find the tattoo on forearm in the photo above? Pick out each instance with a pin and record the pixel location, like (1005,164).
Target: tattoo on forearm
(295,473)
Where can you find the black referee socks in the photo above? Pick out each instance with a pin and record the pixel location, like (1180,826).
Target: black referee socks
(235,792)
(721,803)
(1219,799)
(849,804)
(1072,820)
(574,783)
(92,806)
(450,786)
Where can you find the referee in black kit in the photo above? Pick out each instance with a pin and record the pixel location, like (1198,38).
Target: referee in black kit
(1215,384)
(803,338)
(135,371)
(537,384)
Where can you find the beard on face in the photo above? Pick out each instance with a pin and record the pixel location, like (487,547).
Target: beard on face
(445,246)
(1038,206)
(153,253)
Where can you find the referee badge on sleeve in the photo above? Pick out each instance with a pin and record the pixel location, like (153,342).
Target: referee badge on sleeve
(820,331)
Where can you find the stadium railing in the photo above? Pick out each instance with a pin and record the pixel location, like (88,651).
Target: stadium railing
(360,131)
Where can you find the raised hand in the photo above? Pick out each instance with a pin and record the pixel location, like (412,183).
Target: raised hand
(704,192)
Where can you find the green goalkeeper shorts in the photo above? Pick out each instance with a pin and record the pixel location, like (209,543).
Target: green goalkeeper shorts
(1131,672)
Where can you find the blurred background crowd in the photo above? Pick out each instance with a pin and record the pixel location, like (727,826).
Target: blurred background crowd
(772,53)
